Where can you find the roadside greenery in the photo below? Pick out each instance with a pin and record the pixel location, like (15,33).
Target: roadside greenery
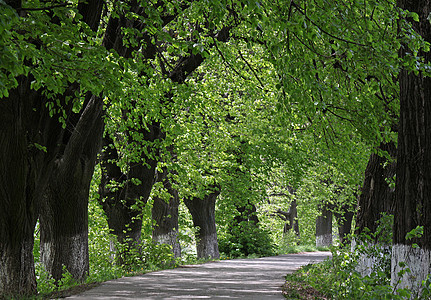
(341,278)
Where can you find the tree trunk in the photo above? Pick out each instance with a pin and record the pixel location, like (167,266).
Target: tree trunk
(247,213)
(344,222)
(324,227)
(292,220)
(17,273)
(25,126)
(203,215)
(64,214)
(377,195)
(122,195)
(413,182)
(165,217)
(17,218)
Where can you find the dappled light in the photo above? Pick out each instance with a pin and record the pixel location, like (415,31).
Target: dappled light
(259,278)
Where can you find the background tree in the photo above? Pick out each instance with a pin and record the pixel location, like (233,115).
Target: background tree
(165,215)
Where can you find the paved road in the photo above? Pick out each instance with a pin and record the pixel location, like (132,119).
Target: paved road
(259,278)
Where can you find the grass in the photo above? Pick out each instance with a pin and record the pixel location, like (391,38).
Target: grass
(301,248)
(297,286)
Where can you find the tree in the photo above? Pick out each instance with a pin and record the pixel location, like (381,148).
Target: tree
(22,184)
(146,135)
(377,195)
(64,210)
(37,107)
(203,215)
(344,216)
(413,184)
(291,219)
(324,226)
(165,215)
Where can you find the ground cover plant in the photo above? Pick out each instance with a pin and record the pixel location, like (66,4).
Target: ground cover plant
(343,276)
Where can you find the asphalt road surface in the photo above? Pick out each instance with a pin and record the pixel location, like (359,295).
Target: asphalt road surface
(260,278)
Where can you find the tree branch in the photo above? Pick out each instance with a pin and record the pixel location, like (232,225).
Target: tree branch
(323,30)
(44,8)
(251,68)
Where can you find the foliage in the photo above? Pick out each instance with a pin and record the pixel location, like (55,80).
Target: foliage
(324,183)
(333,66)
(288,248)
(246,239)
(143,257)
(339,278)
(101,251)
(45,282)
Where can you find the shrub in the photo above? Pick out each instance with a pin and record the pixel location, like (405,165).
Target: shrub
(246,239)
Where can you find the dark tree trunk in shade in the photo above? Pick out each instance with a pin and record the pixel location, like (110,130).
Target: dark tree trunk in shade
(377,196)
(413,182)
(292,220)
(165,217)
(344,223)
(17,215)
(121,204)
(64,213)
(246,213)
(324,227)
(64,207)
(290,216)
(25,169)
(203,215)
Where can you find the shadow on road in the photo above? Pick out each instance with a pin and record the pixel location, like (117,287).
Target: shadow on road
(259,278)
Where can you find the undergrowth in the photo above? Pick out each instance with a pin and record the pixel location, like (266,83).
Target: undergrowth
(344,277)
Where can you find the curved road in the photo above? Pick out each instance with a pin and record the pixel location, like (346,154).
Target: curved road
(260,278)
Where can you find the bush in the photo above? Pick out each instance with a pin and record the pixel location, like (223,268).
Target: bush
(339,277)
(246,239)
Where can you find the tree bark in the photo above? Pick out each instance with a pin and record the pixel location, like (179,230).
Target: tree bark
(247,213)
(17,216)
(413,182)
(324,227)
(165,217)
(64,214)
(203,215)
(25,167)
(292,220)
(120,202)
(377,196)
(344,222)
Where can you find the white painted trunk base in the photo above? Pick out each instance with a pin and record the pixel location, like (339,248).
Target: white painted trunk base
(324,240)
(72,252)
(170,239)
(207,246)
(368,263)
(417,260)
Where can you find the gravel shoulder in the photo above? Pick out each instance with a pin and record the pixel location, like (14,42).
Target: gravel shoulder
(260,278)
